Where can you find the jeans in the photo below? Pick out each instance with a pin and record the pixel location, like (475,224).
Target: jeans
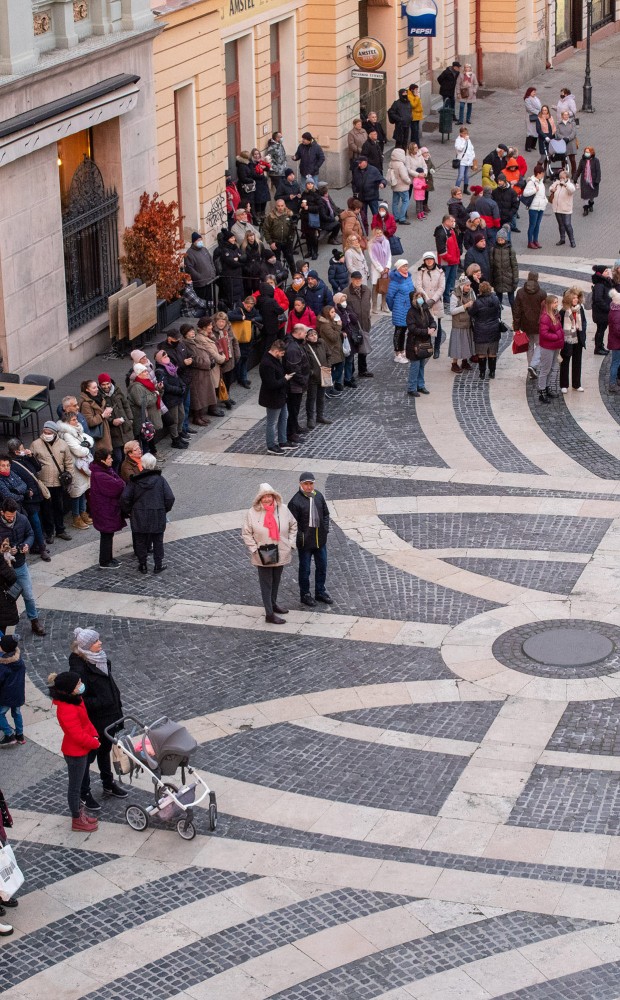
(141,542)
(117,457)
(416,375)
(275,429)
(242,363)
(78,505)
(52,513)
(462,111)
(293,406)
(415,133)
(615,366)
(18,722)
(338,373)
(450,271)
(349,367)
(23,575)
(462,178)
(511,297)
(269,580)
(320,570)
(186,403)
(79,782)
(373,205)
(400,203)
(533,228)
(106,538)
(571,353)
(35,524)
(565,225)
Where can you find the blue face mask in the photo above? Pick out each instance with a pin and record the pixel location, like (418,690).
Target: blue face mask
(420,301)
(81,689)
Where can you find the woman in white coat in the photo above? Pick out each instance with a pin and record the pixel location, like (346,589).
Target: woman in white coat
(380,263)
(532,110)
(79,444)
(355,259)
(535,189)
(561,195)
(432,281)
(465,154)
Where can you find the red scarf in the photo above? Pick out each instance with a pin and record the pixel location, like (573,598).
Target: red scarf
(270,523)
(146,382)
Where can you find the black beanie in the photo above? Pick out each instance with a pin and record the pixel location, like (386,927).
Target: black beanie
(8,643)
(66,682)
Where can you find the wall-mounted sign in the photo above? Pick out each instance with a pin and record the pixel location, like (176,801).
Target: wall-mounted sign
(366,74)
(421,18)
(368,54)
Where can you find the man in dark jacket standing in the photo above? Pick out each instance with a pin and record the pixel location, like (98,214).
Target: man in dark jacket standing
(201,269)
(372,151)
(316,294)
(366,183)
(399,115)
(272,395)
(359,301)
(17,531)
(146,500)
(507,202)
(447,84)
(311,512)
(310,156)
(296,363)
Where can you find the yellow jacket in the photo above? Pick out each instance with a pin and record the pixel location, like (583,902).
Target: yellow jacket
(417,111)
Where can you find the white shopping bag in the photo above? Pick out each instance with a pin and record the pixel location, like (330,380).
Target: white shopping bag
(11,878)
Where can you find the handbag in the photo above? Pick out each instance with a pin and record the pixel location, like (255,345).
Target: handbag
(7,819)
(65,477)
(45,493)
(269,554)
(249,188)
(346,346)
(551,197)
(11,878)
(96,432)
(520,342)
(314,220)
(456,163)
(422,348)
(533,117)
(527,199)
(222,391)
(383,283)
(502,327)
(396,246)
(14,591)
(147,429)
(326,378)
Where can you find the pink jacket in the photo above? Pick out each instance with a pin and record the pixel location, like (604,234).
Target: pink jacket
(419,187)
(551,332)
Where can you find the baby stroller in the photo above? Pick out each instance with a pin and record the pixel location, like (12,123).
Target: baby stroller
(555,158)
(161,749)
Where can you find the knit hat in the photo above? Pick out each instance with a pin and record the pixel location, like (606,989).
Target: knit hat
(227,235)
(383,204)
(313,274)
(66,682)
(424,149)
(337,254)
(104,377)
(307,477)
(196,236)
(85,638)
(136,355)
(599,268)
(532,276)
(307,136)
(288,172)
(503,233)
(429,253)
(502,145)
(420,170)
(474,215)
(8,643)
(356,274)
(401,263)
(480,239)
(476,189)
(50,425)
(139,369)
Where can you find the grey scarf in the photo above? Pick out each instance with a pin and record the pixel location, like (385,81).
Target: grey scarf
(99,660)
(313,518)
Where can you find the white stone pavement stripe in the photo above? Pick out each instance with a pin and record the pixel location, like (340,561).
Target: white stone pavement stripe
(528,555)
(568,506)
(440,426)
(387,737)
(589,411)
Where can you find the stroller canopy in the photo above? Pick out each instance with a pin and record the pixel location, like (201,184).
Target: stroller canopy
(171,738)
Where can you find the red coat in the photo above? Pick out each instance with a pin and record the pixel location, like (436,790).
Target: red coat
(80,735)
(452,253)
(388,225)
(307,318)
(551,332)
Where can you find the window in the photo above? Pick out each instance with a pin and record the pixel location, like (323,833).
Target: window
(233,110)
(603,11)
(71,152)
(276,93)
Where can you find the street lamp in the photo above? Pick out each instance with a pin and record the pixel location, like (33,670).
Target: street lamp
(587,82)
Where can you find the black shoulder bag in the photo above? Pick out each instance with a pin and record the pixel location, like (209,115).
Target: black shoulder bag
(65,477)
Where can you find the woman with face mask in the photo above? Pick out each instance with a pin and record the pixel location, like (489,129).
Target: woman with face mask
(418,347)
(589,176)
(80,737)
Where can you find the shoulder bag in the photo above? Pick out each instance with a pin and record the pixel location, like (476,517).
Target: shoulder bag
(314,220)
(14,591)
(396,246)
(65,477)
(45,493)
(269,554)
(456,162)
(147,429)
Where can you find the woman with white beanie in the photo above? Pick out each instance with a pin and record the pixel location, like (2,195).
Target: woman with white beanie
(432,281)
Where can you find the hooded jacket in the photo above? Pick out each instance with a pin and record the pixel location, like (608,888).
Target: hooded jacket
(80,736)
(485,315)
(106,489)
(507,202)
(307,317)
(255,534)
(504,268)
(351,226)
(278,227)
(397,298)
(489,211)
(318,297)
(310,157)
(270,312)
(337,275)
(551,332)
(397,172)
(146,500)
(432,281)
(296,361)
(601,288)
(527,305)
(331,335)
(80,446)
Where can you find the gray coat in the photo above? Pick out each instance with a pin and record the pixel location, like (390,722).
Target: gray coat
(568,132)
(199,265)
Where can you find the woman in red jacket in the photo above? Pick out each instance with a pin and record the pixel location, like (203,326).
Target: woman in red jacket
(80,736)
(300,313)
(551,340)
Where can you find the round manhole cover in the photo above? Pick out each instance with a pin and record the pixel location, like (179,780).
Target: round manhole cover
(568,647)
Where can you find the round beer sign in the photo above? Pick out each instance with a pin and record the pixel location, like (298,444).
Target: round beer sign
(368,54)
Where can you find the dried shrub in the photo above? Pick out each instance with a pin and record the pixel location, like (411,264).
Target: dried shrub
(153,247)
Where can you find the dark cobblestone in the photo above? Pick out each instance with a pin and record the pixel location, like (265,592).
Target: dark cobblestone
(44,864)
(217,668)
(351,487)
(467,720)
(415,960)
(553,577)
(499,531)
(508,649)
(231,947)
(310,763)
(589,727)
(102,921)
(600,983)
(568,798)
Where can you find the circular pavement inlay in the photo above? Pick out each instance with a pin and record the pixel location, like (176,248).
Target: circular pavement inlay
(568,647)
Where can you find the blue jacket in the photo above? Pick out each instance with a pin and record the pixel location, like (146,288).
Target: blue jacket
(318,297)
(397,297)
(12,680)
(311,158)
(81,418)
(12,486)
(19,533)
(337,275)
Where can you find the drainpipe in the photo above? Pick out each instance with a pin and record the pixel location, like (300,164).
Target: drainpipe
(479,63)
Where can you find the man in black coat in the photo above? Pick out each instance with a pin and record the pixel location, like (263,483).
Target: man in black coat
(366,182)
(272,395)
(146,500)
(372,150)
(497,159)
(447,84)
(507,201)
(311,512)
(17,531)
(372,124)
(270,313)
(296,363)
(399,115)
(289,190)
(310,156)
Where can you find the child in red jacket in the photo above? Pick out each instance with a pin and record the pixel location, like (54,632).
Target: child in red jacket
(80,736)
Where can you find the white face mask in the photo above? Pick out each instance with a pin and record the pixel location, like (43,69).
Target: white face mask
(382,212)
(344,303)
(48,437)
(199,244)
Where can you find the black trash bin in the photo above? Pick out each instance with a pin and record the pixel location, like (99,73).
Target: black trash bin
(445,121)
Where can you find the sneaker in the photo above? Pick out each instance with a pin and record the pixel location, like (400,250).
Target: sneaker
(66,537)
(579,388)
(113,564)
(5,930)
(286,446)
(564,391)
(20,738)
(531,371)
(115,791)
(91,803)
(276,450)
(403,359)
(8,741)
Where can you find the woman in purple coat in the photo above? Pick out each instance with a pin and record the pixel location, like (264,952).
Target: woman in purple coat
(106,487)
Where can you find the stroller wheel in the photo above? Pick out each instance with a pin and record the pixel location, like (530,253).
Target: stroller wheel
(136,818)
(212,816)
(186,830)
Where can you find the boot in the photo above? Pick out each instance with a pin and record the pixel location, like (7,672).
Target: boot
(36,627)
(492,367)
(586,209)
(374,299)
(482,367)
(87,519)
(45,556)
(456,368)
(466,367)
(79,524)
(551,395)
(436,347)
(542,396)
(84,824)
(179,444)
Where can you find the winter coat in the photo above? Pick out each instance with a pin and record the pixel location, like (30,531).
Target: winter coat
(532,107)
(331,334)
(9,615)
(386,223)
(550,331)
(472,231)
(337,275)
(418,185)
(277,154)
(116,398)
(397,298)
(254,532)
(613,331)
(507,202)
(568,132)
(601,288)
(366,183)
(467,83)
(432,282)
(143,404)
(589,191)
(359,301)
(102,697)
(318,297)
(350,326)
(399,114)
(447,245)
(248,172)
(92,411)
(504,268)
(177,352)
(417,111)
(526,309)
(210,348)
(351,226)
(397,172)
(457,209)
(355,260)
(447,82)
(106,488)
(537,188)
(296,361)
(311,158)
(488,177)
(355,140)
(279,228)
(582,333)
(480,256)
(146,500)
(270,313)
(317,359)
(19,533)
(290,191)
(373,151)
(563,193)
(419,324)
(307,317)
(430,173)
(199,265)
(14,487)
(202,391)
(413,162)
(232,261)
(464,149)
(49,474)
(489,212)
(328,211)
(27,468)
(80,736)
(310,539)
(378,128)
(12,680)
(485,315)
(273,385)
(380,256)
(128,469)
(80,445)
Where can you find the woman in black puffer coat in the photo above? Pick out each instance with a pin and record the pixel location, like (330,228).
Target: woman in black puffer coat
(486,314)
